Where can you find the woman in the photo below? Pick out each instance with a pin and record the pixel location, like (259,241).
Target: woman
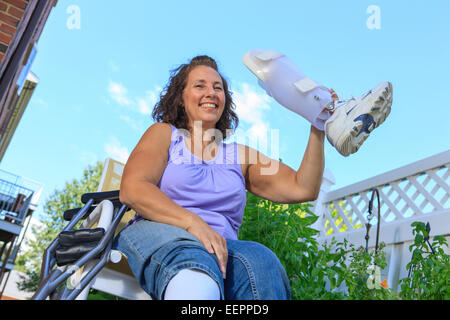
(188,189)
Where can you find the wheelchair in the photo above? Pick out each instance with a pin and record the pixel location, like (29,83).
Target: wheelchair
(81,256)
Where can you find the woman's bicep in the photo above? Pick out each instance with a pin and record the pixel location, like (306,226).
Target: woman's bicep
(273,180)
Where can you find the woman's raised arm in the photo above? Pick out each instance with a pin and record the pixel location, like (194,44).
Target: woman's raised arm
(277,182)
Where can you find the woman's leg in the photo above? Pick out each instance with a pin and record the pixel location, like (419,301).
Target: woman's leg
(289,86)
(192,284)
(347,123)
(254,273)
(158,252)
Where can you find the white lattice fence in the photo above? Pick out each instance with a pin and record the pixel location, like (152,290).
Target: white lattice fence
(414,191)
(419,191)
(422,193)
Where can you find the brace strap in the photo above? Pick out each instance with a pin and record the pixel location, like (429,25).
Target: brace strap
(307,84)
(268,55)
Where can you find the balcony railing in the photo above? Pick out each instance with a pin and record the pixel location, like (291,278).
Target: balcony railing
(18,199)
(14,202)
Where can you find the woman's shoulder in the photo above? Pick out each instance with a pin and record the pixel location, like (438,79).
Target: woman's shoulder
(160,132)
(161,129)
(161,126)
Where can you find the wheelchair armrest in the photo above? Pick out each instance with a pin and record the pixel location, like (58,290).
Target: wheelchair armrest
(69,214)
(98,197)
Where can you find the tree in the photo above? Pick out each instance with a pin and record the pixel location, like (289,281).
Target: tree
(29,261)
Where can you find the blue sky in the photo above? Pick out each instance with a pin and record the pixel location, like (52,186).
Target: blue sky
(98,83)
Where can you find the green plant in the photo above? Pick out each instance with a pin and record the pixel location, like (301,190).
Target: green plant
(363,274)
(340,270)
(99,295)
(287,231)
(315,271)
(429,268)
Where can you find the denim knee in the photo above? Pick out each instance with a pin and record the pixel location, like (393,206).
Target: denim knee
(255,273)
(179,255)
(156,252)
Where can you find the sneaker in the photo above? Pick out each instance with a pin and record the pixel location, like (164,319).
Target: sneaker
(354,119)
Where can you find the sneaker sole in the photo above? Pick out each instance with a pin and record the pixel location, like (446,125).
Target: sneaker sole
(379,109)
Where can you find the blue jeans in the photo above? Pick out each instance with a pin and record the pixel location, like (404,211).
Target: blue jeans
(156,252)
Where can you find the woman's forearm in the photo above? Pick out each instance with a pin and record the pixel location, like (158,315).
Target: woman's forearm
(310,172)
(153,204)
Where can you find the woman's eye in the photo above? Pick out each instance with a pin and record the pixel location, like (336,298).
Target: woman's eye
(218,88)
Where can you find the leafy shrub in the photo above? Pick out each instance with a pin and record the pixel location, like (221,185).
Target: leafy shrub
(362,276)
(340,270)
(429,269)
(286,230)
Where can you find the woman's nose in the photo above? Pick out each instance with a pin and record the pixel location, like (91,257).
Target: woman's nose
(211,92)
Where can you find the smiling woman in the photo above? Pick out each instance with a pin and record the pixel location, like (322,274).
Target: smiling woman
(188,188)
(171,107)
(203,96)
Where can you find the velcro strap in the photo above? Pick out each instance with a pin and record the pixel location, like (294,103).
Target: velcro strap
(268,55)
(307,84)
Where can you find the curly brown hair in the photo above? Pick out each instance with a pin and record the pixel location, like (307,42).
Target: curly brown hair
(169,108)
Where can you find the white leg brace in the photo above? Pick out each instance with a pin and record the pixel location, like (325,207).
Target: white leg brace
(192,284)
(287,84)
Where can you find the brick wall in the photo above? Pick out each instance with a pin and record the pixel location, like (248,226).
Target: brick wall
(11,12)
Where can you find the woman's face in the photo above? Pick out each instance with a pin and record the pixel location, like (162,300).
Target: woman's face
(204,96)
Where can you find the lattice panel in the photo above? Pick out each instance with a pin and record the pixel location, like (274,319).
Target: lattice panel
(418,194)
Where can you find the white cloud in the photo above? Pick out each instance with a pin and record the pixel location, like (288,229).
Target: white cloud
(116,151)
(118,93)
(153,95)
(141,105)
(144,107)
(250,105)
(251,108)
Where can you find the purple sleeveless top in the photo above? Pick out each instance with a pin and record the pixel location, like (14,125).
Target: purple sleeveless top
(212,189)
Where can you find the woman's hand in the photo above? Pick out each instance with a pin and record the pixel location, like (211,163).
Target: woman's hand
(212,241)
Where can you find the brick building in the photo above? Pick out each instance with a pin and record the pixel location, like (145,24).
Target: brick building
(21,24)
